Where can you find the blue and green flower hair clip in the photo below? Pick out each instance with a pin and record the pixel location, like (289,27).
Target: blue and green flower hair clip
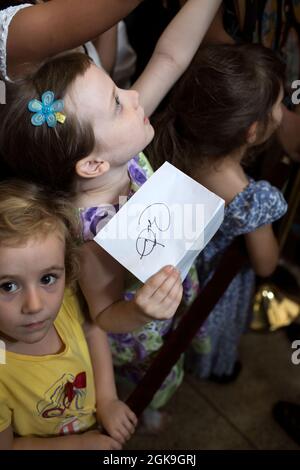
(48,110)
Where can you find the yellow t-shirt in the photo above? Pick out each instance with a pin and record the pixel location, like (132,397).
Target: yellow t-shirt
(55,394)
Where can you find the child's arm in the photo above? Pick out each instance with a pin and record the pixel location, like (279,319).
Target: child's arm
(263,250)
(91,440)
(114,415)
(174,51)
(102,283)
(44,30)
(106,45)
(216,32)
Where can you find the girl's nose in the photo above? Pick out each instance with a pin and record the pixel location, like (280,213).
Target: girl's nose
(32,301)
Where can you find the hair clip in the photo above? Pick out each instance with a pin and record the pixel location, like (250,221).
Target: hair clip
(48,110)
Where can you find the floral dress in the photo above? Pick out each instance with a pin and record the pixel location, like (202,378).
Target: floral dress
(134,352)
(214,350)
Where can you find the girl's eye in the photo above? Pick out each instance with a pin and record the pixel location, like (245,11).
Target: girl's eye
(118,102)
(9,287)
(49,279)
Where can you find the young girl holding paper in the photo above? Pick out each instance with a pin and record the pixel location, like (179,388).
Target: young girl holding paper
(88,153)
(227,104)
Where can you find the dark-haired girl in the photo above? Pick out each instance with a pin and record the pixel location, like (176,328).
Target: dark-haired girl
(228,103)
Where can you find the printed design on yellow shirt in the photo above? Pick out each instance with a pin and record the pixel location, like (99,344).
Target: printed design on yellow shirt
(65,399)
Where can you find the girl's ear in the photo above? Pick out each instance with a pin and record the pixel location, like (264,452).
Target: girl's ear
(91,167)
(252,133)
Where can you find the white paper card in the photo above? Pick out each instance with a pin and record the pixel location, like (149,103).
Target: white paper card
(168,221)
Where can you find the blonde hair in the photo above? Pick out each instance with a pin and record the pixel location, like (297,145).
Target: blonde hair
(27,210)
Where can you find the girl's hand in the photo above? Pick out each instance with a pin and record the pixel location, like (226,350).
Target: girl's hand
(117,419)
(93,440)
(161,295)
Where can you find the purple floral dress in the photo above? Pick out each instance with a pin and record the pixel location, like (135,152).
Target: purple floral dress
(134,352)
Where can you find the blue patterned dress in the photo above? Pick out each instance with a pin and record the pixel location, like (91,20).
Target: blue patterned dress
(215,348)
(134,352)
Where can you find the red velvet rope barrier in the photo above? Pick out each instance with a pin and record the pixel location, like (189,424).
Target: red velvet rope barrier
(179,339)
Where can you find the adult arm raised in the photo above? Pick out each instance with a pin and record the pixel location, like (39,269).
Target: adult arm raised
(47,29)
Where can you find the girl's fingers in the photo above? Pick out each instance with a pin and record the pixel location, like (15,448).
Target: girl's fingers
(173,299)
(124,431)
(168,289)
(132,417)
(154,282)
(118,436)
(129,426)
(116,444)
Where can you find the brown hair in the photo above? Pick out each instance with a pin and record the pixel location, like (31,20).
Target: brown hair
(45,155)
(226,89)
(27,211)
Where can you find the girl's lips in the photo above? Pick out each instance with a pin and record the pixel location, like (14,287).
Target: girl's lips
(146,120)
(36,326)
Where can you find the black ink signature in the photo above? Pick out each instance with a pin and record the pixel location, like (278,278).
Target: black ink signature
(147,239)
